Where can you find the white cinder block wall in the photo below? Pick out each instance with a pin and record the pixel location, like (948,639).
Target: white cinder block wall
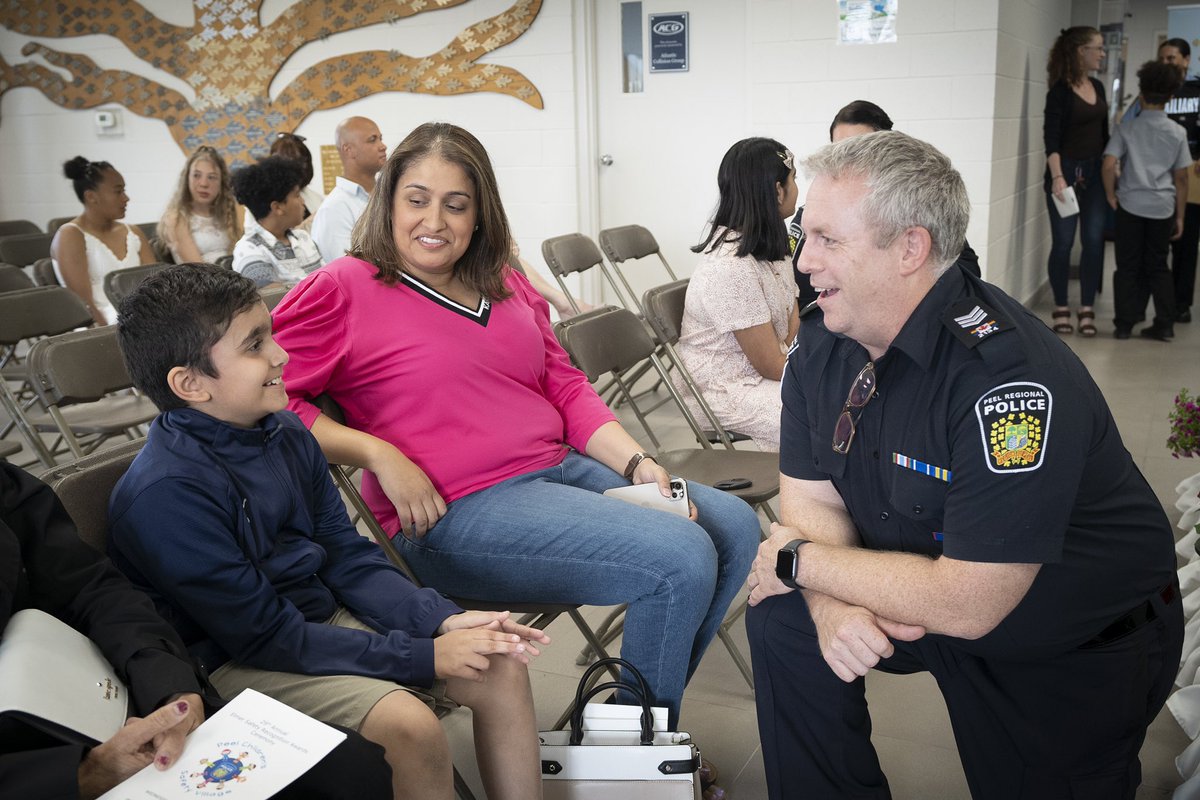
(1018,230)
(937,82)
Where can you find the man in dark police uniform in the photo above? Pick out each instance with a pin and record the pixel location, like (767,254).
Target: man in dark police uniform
(955,498)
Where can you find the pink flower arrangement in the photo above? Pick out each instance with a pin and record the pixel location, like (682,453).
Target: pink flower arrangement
(1185,426)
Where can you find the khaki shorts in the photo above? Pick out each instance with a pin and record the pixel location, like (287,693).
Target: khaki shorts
(339,699)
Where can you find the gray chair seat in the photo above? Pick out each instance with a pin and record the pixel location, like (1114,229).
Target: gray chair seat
(106,417)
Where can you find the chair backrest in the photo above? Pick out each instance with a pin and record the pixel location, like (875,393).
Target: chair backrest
(604,340)
(120,282)
(573,252)
(273,295)
(149,228)
(43,272)
(85,485)
(664,309)
(13,278)
(161,251)
(25,248)
(11,227)
(40,311)
(53,225)
(627,242)
(78,367)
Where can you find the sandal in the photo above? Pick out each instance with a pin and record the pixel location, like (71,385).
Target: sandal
(1062,322)
(1087,323)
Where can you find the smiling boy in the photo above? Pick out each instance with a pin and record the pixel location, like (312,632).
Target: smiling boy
(229,520)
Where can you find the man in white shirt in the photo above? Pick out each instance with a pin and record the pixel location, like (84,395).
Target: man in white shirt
(363,153)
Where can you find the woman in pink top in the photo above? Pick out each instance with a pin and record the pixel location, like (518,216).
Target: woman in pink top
(487,452)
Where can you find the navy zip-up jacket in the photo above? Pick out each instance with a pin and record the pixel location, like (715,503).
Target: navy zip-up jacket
(243,542)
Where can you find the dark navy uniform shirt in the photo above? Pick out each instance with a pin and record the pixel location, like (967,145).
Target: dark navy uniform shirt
(987,441)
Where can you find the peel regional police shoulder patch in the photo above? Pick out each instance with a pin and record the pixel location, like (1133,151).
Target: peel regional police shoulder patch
(1014,420)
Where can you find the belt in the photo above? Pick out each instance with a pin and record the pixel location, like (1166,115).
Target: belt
(1128,623)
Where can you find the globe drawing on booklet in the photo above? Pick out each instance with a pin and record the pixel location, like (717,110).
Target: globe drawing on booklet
(223,772)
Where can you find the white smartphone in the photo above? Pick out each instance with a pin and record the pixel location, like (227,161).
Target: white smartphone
(647,495)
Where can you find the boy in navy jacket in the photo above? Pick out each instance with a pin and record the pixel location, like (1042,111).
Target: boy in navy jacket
(230,521)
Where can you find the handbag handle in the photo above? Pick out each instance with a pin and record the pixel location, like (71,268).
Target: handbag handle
(640,690)
(647,733)
(604,663)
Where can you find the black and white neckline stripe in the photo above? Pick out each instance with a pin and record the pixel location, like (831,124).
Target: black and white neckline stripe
(480,314)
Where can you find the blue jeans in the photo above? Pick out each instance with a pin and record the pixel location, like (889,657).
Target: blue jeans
(1084,175)
(551,536)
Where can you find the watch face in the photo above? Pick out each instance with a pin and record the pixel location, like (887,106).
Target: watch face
(785,566)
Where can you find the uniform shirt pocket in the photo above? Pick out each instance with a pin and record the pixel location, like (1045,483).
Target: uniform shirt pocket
(919,497)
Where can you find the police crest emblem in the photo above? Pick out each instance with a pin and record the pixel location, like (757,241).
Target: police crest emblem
(1014,421)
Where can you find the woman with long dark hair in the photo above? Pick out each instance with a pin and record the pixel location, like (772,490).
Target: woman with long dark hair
(740,311)
(1075,129)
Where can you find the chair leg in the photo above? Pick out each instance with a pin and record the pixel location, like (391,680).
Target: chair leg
(726,639)
(461,790)
(606,632)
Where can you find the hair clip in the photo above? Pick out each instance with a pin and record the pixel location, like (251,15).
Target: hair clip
(789,160)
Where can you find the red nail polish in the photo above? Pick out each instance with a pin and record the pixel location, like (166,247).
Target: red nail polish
(163,761)
(182,707)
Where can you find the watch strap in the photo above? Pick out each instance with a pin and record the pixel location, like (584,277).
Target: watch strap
(637,458)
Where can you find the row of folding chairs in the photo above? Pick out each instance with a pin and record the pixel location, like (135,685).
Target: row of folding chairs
(622,345)
(72,383)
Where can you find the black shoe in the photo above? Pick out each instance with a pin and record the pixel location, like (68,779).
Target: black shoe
(1157,334)
(1184,316)
(1122,333)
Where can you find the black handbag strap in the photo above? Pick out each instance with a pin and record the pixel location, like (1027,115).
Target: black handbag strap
(647,719)
(639,690)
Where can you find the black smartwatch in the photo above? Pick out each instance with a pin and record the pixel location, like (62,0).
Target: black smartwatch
(787,563)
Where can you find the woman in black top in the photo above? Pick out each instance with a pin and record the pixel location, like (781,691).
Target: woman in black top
(1075,131)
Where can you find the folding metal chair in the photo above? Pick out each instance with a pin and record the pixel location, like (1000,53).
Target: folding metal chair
(120,282)
(631,243)
(149,228)
(13,278)
(43,272)
(25,248)
(53,225)
(271,296)
(84,487)
(77,375)
(26,315)
(576,253)
(14,227)
(534,614)
(608,341)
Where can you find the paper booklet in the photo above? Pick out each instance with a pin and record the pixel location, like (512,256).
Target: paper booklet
(249,750)
(1069,205)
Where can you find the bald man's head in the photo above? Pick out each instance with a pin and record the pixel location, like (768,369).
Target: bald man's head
(360,144)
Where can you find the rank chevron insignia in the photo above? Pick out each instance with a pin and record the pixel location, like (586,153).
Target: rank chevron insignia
(971,318)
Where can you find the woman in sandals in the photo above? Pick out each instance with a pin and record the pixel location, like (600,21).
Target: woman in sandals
(1075,130)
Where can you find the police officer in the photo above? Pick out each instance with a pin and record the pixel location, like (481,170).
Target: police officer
(955,498)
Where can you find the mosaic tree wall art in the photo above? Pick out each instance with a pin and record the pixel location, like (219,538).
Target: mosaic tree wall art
(229,59)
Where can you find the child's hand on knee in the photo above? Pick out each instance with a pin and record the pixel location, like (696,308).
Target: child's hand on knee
(464,653)
(499,621)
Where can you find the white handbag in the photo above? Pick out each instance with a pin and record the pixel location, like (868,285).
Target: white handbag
(618,751)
